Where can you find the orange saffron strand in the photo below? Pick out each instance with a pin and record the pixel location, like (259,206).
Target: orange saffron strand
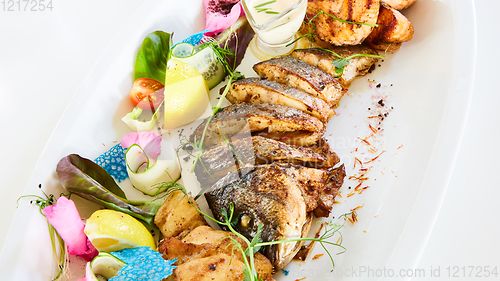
(317,256)
(358,207)
(365,140)
(373,159)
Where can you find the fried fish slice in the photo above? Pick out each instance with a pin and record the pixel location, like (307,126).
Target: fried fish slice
(339,33)
(393,29)
(255,90)
(275,121)
(225,158)
(177,217)
(399,4)
(323,59)
(322,147)
(303,76)
(270,195)
(327,195)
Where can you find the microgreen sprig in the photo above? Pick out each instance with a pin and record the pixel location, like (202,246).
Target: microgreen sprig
(61,256)
(234,75)
(340,63)
(254,245)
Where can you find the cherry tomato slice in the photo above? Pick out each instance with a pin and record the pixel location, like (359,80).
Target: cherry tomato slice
(147,93)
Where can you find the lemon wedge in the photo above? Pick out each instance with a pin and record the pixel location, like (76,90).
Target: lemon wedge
(186,94)
(110,230)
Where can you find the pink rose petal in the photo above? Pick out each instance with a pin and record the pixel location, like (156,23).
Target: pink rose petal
(64,217)
(150,142)
(217,15)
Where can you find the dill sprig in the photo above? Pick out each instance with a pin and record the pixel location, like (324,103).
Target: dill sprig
(254,245)
(234,75)
(61,256)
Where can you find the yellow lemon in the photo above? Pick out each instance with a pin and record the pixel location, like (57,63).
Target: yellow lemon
(110,231)
(186,94)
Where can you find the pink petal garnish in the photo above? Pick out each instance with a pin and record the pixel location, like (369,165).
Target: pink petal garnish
(150,142)
(64,217)
(219,17)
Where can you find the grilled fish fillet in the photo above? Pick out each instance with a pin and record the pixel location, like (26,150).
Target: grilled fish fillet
(275,121)
(338,33)
(399,4)
(324,60)
(394,28)
(225,158)
(255,90)
(271,195)
(303,76)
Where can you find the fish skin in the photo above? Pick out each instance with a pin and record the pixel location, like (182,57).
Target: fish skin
(274,120)
(303,76)
(256,90)
(270,195)
(323,147)
(220,160)
(334,181)
(323,59)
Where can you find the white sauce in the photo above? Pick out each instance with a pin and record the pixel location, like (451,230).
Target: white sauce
(282,30)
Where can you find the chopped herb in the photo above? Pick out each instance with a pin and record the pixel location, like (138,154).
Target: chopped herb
(265,4)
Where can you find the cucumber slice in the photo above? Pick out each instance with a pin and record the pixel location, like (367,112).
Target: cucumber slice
(106,265)
(182,50)
(204,61)
(144,174)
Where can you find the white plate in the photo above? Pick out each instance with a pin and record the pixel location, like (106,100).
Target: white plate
(431,79)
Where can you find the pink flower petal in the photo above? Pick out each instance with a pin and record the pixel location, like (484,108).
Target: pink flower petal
(150,142)
(64,217)
(218,17)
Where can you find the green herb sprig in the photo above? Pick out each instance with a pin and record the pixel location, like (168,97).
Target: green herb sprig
(256,243)
(260,8)
(62,255)
(340,63)
(233,76)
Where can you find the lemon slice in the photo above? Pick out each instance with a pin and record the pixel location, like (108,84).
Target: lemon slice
(110,230)
(186,94)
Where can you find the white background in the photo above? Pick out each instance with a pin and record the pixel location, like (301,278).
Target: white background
(45,56)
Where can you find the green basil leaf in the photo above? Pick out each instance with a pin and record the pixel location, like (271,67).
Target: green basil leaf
(152,58)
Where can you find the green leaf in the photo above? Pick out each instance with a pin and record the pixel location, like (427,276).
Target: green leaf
(237,76)
(340,64)
(88,180)
(247,274)
(253,247)
(152,58)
